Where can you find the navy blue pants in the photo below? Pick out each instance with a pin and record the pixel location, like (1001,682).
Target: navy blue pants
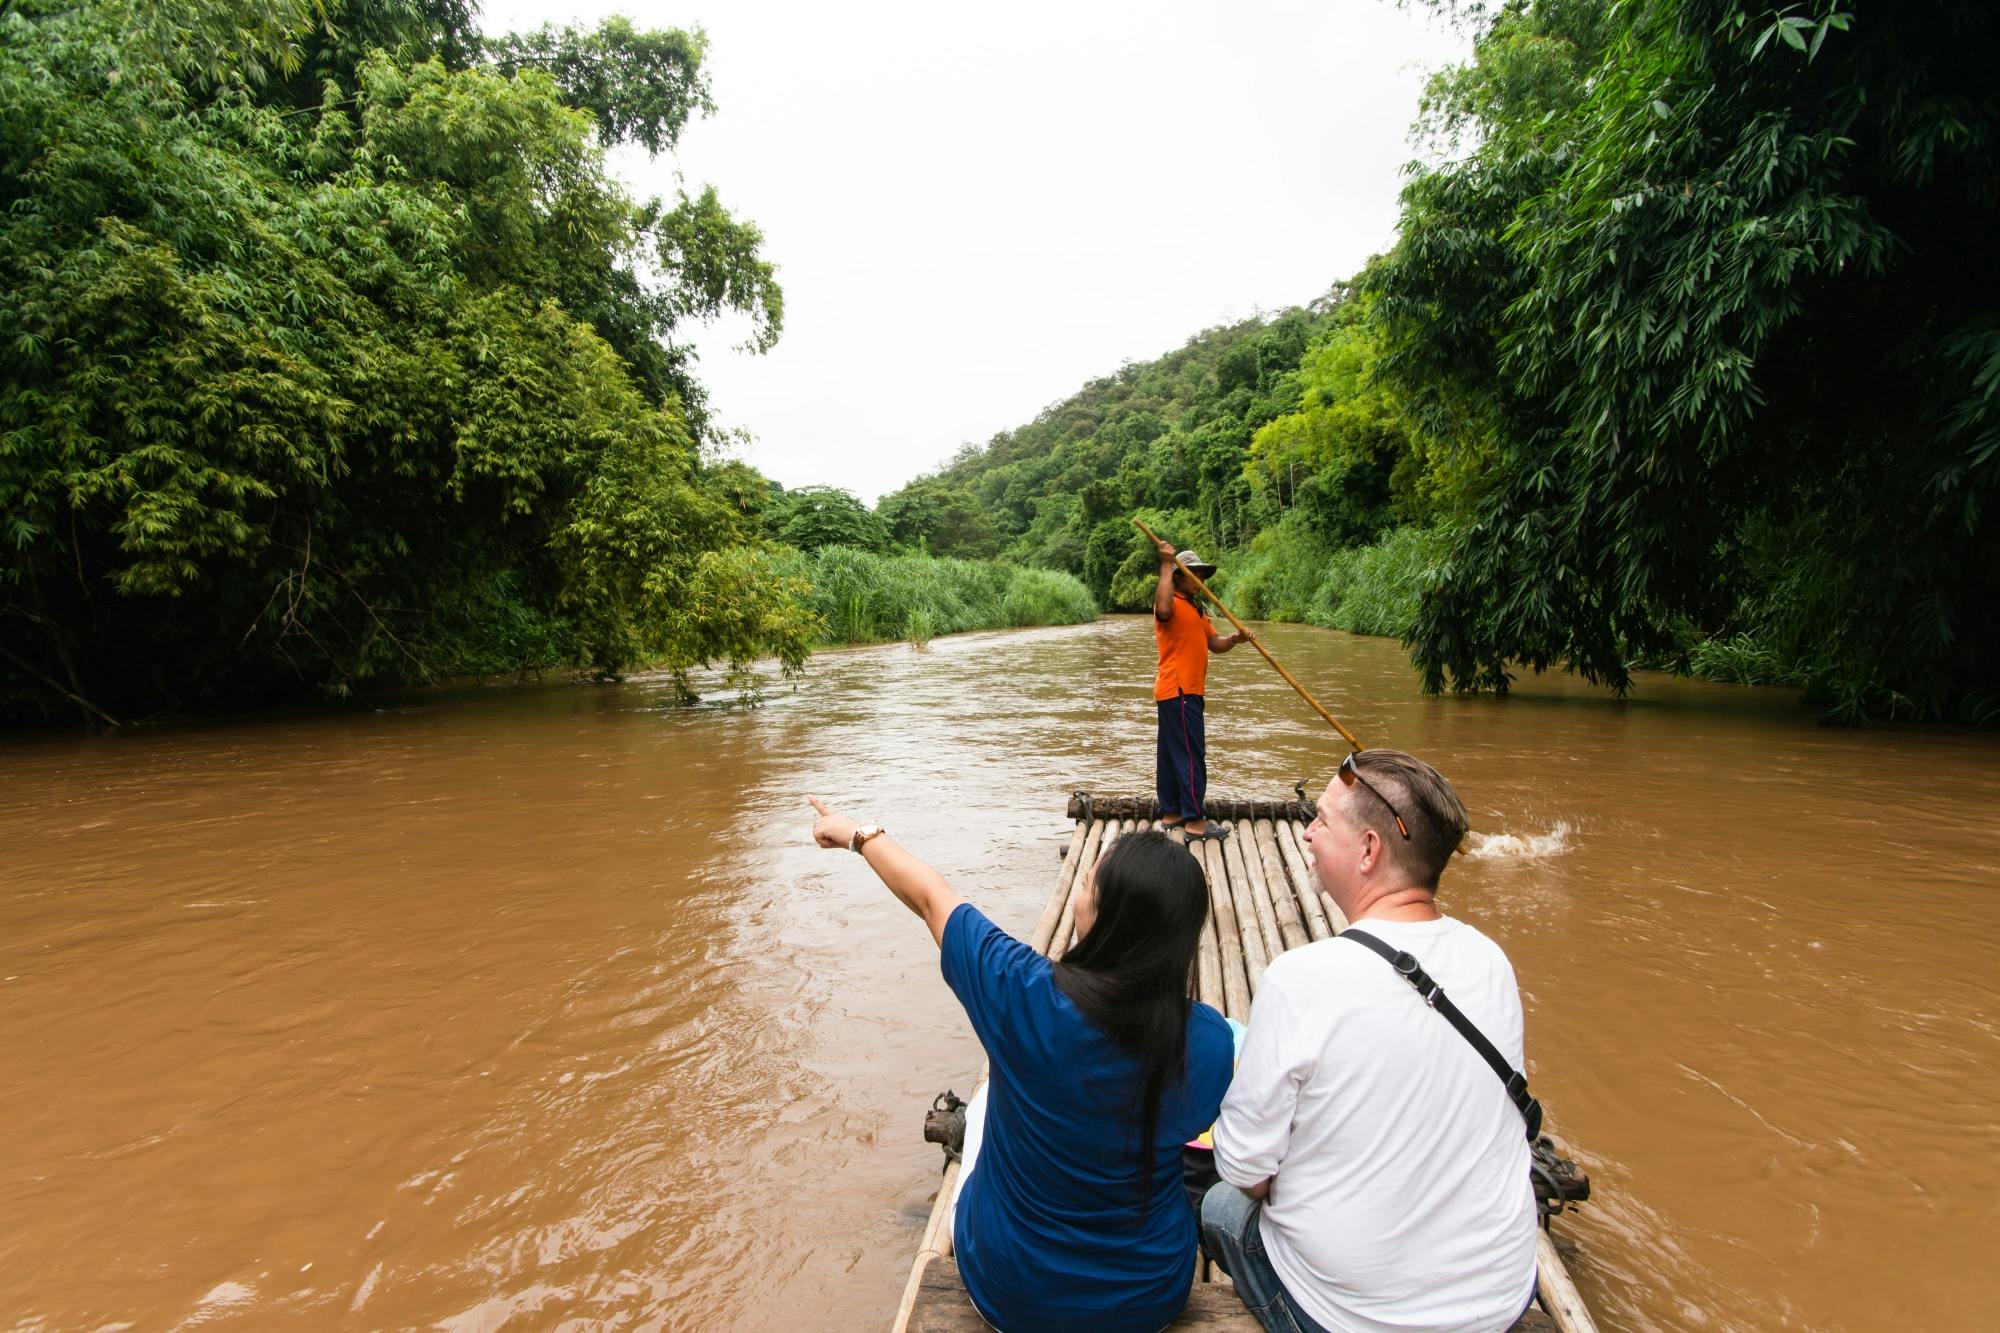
(1180,769)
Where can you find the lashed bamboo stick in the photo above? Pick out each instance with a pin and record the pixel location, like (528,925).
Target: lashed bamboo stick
(1243,857)
(1065,939)
(1045,925)
(1093,845)
(1305,885)
(1291,926)
(937,1241)
(1256,956)
(1208,966)
(1058,942)
(1228,940)
(1335,920)
(1557,1291)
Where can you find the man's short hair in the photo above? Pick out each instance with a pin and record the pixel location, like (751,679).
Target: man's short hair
(1427,803)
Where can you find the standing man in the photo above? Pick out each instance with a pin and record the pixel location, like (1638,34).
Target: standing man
(1374,1169)
(1185,639)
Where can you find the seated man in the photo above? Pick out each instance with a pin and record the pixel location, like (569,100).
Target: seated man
(1374,1170)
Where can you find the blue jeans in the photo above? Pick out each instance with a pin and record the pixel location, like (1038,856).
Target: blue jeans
(1231,1229)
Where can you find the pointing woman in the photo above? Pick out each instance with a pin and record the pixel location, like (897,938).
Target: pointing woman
(1071,1212)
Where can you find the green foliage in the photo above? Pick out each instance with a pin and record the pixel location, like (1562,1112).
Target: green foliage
(1281,422)
(742,489)
(1709,320)
(931,517)
(1377,589)
(1275,577)
(1122,568)
(715,262)
(1741,659)
(1165,436)
(815,516)
(317,393)
(1045,597)
(641,86)
(209,42)
(865,597)
(1345,457)
(1292,573)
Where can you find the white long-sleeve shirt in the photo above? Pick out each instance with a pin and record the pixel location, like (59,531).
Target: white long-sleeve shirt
(1401,1200)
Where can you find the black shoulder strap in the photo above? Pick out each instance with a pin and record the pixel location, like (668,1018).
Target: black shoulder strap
(1408,968)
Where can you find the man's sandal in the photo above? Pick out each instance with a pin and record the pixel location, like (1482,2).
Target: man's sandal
(1213,833)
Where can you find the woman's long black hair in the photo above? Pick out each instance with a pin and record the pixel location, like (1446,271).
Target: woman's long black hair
(1132,974)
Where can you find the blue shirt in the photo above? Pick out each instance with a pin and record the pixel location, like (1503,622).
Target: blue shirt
(1048,1229)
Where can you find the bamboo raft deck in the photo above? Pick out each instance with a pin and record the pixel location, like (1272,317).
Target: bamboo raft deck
(1262,901)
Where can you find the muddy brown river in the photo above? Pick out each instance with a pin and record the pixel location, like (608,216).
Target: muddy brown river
(534,1007)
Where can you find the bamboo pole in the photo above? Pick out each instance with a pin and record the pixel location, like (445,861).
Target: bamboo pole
(1336,920)
(1045,925)
(1284,834)
(1065,939)
(908,1305)
(1228,942)
(1250,921)
(1208,967)
(1291,926)
(1559,1296)
(937,1242)
(1058,942)
(1268,914)
(1258,644)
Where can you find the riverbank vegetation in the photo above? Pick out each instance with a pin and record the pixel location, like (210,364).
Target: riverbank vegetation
(859,596)
(1687,354)
(336,357)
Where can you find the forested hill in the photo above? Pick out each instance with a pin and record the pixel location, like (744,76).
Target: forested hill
(1273,423)
(1173,432)
(1687,352)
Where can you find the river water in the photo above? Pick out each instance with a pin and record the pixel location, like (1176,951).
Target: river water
(532,1006)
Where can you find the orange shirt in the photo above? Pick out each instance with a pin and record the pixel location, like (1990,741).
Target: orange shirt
(1183,645)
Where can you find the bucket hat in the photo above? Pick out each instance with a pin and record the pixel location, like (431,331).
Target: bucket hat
(1196,564)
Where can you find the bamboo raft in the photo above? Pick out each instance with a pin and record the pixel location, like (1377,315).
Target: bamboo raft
(1262,901)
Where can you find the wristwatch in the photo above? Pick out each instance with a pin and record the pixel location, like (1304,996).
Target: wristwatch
(862,835)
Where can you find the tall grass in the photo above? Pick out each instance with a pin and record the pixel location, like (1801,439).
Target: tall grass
(1742,659)
(1275,577)
(1287,573)
(1375,589)
(862,597)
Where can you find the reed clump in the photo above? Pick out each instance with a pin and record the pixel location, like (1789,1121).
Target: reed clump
(1375,589)
(864,597)
(1742,659)
(1288,574)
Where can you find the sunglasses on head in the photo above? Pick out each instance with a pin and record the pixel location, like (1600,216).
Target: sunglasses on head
(1350,774)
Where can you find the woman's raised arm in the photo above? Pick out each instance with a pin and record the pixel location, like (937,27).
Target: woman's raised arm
(920,888)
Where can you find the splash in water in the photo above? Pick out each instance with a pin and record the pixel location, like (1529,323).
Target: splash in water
(1491,846)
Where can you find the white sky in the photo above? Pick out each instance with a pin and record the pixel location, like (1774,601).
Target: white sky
(976,209)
